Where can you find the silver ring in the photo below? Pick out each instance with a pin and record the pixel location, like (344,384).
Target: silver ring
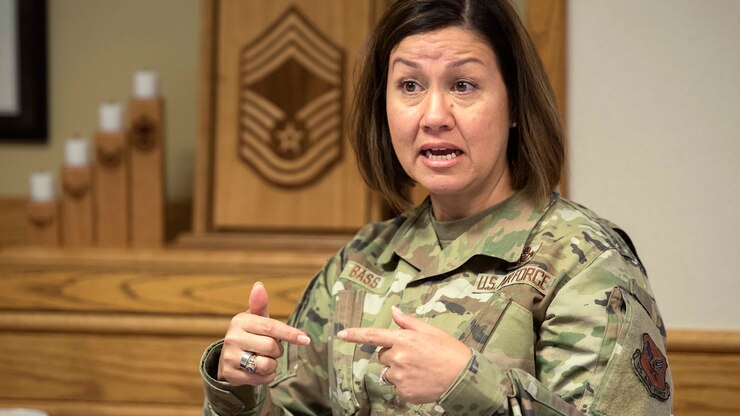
(383,380)
(251,364)
(248,361)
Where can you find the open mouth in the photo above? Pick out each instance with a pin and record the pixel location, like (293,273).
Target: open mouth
(441,153)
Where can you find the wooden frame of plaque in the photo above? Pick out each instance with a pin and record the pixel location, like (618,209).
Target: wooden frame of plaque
(286,176)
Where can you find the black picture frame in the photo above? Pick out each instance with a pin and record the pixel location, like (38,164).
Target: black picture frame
(30,125)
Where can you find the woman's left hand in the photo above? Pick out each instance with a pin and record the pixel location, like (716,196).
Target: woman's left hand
(423,360)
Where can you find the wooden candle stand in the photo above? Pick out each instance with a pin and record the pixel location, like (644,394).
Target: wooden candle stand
(43,223)
(112,190)
(77,219)
(147,172)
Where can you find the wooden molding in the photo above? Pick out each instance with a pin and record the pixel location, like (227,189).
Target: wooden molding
(702,341)
(266,261)
(264,240)
(115,323)
(207,103)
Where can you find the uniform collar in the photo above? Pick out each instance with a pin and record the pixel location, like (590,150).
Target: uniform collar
(502,234)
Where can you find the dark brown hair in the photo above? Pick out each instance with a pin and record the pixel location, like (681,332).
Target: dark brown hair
(535,151)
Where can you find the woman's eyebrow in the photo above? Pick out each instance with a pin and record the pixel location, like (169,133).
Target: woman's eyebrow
(464,61)
(406,62)
(454,64)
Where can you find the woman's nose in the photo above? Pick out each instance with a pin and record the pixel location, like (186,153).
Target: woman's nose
(437,113)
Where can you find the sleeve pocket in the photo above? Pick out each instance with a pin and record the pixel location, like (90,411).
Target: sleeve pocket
(632,346)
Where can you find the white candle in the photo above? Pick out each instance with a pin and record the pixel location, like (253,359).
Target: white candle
(76,152)
(42,187)
(110,118)
(145,84)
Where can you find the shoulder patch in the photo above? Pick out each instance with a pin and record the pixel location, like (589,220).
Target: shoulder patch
(528,275)
(651,365)
(364,276)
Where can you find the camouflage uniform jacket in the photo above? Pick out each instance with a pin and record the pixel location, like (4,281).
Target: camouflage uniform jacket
(554,305)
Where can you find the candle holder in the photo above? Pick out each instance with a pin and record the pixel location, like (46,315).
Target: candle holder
(43,211)
(111,189)
(43,223)
(146,173)
(77,211)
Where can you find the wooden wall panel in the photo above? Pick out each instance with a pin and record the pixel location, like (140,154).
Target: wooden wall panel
(111,368)
(706,383)
(121,332)
(706,371)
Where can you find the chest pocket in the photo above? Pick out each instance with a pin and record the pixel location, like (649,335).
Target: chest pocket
(487,332)
(347,314)
(480,330)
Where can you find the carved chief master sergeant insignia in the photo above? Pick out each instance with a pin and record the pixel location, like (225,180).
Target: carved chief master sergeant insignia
(291,102)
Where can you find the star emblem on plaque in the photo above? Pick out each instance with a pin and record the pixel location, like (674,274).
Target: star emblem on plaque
(291,102)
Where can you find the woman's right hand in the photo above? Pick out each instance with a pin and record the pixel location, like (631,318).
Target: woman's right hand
(255,332)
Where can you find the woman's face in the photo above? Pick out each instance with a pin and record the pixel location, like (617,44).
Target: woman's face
(448,113)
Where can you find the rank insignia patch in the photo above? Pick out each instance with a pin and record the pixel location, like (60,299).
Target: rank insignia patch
(651,365)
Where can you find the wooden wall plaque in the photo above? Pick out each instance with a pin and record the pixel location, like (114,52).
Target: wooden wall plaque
(277,82)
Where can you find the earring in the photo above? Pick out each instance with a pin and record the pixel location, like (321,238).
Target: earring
(513,125)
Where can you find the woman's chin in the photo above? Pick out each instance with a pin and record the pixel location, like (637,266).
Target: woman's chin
(443,190)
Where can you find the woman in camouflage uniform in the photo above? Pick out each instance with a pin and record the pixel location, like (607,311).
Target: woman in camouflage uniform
(495,295)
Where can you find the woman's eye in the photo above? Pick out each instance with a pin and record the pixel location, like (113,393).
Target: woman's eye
(410,86)
(463,86)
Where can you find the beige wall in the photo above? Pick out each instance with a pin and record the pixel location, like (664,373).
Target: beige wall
(654,120)
(95,46)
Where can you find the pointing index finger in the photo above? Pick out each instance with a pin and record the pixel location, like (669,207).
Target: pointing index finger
(272,328)
(379,337)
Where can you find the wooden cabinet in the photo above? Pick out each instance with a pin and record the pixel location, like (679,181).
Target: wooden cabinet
(120,332)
